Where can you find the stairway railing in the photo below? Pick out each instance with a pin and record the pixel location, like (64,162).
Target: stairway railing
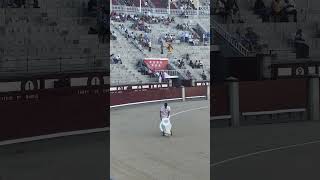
(232,41)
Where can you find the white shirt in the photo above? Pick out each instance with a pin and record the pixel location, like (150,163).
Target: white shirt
(165,112)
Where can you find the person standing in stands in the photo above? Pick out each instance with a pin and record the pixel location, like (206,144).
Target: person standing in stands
(162,45)
(170,48)
(302,49)
(149,44)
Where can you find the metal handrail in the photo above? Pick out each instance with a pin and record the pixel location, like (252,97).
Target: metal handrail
(204,10)
(55,65)
(169,72)
(237,45)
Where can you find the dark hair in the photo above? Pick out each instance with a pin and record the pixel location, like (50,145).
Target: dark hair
(165,104)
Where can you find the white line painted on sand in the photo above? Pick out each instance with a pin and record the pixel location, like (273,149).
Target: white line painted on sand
(204,107)
(145,102)
(51,136)
(264,151)
(153,101)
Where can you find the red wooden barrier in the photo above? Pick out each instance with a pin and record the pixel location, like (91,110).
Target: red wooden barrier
(52,111)
(273,95)
(132,96)
(219,100)
(196,91)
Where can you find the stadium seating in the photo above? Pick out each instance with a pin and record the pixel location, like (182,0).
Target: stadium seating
(134,53)
(49,39)
(279,36)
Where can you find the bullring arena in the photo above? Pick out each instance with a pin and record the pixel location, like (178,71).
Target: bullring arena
(139,152)
(265,104)
(274,151)
(56,77)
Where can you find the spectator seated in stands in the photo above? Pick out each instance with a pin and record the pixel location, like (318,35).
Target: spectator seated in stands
(115,59)
(185,37)
(181,64)
(184,15)
(200,65)
(186,4)
(277,10)
(161,76)
(302,49)
(196,64)
(290,9)
(237,36)
(188,74)
(113,36)
(118,17)
(187,57)
(142,68)
(251,38)
(184,26)
(191,64)
(193,41)
(204,76)
(261,10)
(167,21)
(205,39)
(169,38)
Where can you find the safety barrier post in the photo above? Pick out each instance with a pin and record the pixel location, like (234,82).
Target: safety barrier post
(208,92)
(183,89)
(234,101)
(313,98)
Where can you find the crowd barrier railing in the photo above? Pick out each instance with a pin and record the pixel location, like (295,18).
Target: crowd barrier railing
(204,10)
(25,66)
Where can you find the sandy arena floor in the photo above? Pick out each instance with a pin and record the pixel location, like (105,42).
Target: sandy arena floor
(139,152)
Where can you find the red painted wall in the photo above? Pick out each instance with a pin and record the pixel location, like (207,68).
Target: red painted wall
(52,111)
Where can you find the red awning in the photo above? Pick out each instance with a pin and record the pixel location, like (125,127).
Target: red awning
(156,64)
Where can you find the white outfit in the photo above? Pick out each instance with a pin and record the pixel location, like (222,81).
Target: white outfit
(165,111)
